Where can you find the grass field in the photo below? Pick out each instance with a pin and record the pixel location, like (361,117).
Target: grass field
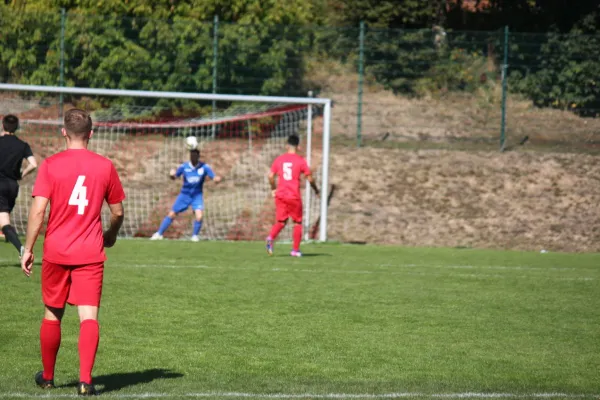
(223,320)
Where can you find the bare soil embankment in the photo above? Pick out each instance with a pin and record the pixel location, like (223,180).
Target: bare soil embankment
(518,200)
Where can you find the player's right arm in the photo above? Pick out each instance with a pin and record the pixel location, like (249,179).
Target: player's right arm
(34,225)
(176,173)
(272,174)
(42,193)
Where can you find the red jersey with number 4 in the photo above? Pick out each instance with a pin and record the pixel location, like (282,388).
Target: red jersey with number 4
(77,182)
(289,168)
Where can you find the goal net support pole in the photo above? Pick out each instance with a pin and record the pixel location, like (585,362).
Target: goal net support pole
(308,101)
(308,160)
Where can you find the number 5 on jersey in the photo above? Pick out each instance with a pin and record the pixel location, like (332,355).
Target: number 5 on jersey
(78,195)
(287,171)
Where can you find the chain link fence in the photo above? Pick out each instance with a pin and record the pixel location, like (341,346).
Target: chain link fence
(432,87)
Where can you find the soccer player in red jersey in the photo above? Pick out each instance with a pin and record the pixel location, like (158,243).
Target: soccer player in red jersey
(75,182)
(289,168)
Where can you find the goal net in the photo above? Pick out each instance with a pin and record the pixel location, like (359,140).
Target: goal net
(239,139)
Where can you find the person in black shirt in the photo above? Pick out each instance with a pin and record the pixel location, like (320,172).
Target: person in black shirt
(12,152)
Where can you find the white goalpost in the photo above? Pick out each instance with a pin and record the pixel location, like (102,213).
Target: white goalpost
(146,140)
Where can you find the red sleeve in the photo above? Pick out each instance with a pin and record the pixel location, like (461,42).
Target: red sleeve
(275,166)
(306,169)
(114,193)
(43,185)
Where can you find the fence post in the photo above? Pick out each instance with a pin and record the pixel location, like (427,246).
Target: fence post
(361,70)
(62,61)
(504,90)
(215,65)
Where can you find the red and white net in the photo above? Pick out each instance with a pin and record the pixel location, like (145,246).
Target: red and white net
(239,144)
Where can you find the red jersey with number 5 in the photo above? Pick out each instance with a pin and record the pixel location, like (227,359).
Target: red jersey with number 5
(289,168)
(77,182)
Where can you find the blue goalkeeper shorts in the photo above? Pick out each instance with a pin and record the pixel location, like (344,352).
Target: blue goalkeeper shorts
(184,201)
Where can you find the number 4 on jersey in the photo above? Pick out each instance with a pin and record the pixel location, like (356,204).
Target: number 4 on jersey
(78,195)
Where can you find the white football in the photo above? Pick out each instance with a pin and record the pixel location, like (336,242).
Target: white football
(191,143)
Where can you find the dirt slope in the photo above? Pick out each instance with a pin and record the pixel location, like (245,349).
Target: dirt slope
(517,200)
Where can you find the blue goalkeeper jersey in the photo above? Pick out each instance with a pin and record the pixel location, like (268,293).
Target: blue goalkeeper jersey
(193,177)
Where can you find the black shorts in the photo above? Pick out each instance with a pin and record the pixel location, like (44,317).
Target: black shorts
(9,190)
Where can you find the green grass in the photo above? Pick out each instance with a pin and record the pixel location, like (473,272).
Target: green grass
(180,318)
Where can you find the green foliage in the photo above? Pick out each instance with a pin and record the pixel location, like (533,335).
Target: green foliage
(426,61)
(242,11)
(260,59)
(260,54)
(263,46)
(29,46)
(398,58)
(457,70)
(386,13)
(561,73)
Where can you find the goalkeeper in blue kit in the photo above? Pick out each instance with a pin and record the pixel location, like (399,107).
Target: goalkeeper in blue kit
(194,173)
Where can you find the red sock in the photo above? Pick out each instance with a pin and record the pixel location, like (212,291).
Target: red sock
(89,335)
(49,344)
(276,230)
(297,236)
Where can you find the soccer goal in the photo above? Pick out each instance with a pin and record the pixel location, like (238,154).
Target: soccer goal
(143,133)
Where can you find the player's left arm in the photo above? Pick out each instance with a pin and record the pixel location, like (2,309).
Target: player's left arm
(31,162)
(211,174)
(114,197)
(117,216)
(313,184)
(34,225)
(308,174)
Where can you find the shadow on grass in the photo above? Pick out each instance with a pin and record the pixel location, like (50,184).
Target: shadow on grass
(113,382)
(306,255)
(17,264)
(10,265)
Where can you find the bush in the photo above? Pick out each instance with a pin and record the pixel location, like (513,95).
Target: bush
(458,71)
(561,72)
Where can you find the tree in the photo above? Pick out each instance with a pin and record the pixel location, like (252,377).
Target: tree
(159,45)
(387,13)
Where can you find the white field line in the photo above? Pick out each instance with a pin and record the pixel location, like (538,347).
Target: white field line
(223,395)
(405,267)
(427,266)
(501,267)
(133,263)
(349,272)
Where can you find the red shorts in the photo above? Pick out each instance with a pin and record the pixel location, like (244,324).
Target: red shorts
(288,208)
(79,285)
